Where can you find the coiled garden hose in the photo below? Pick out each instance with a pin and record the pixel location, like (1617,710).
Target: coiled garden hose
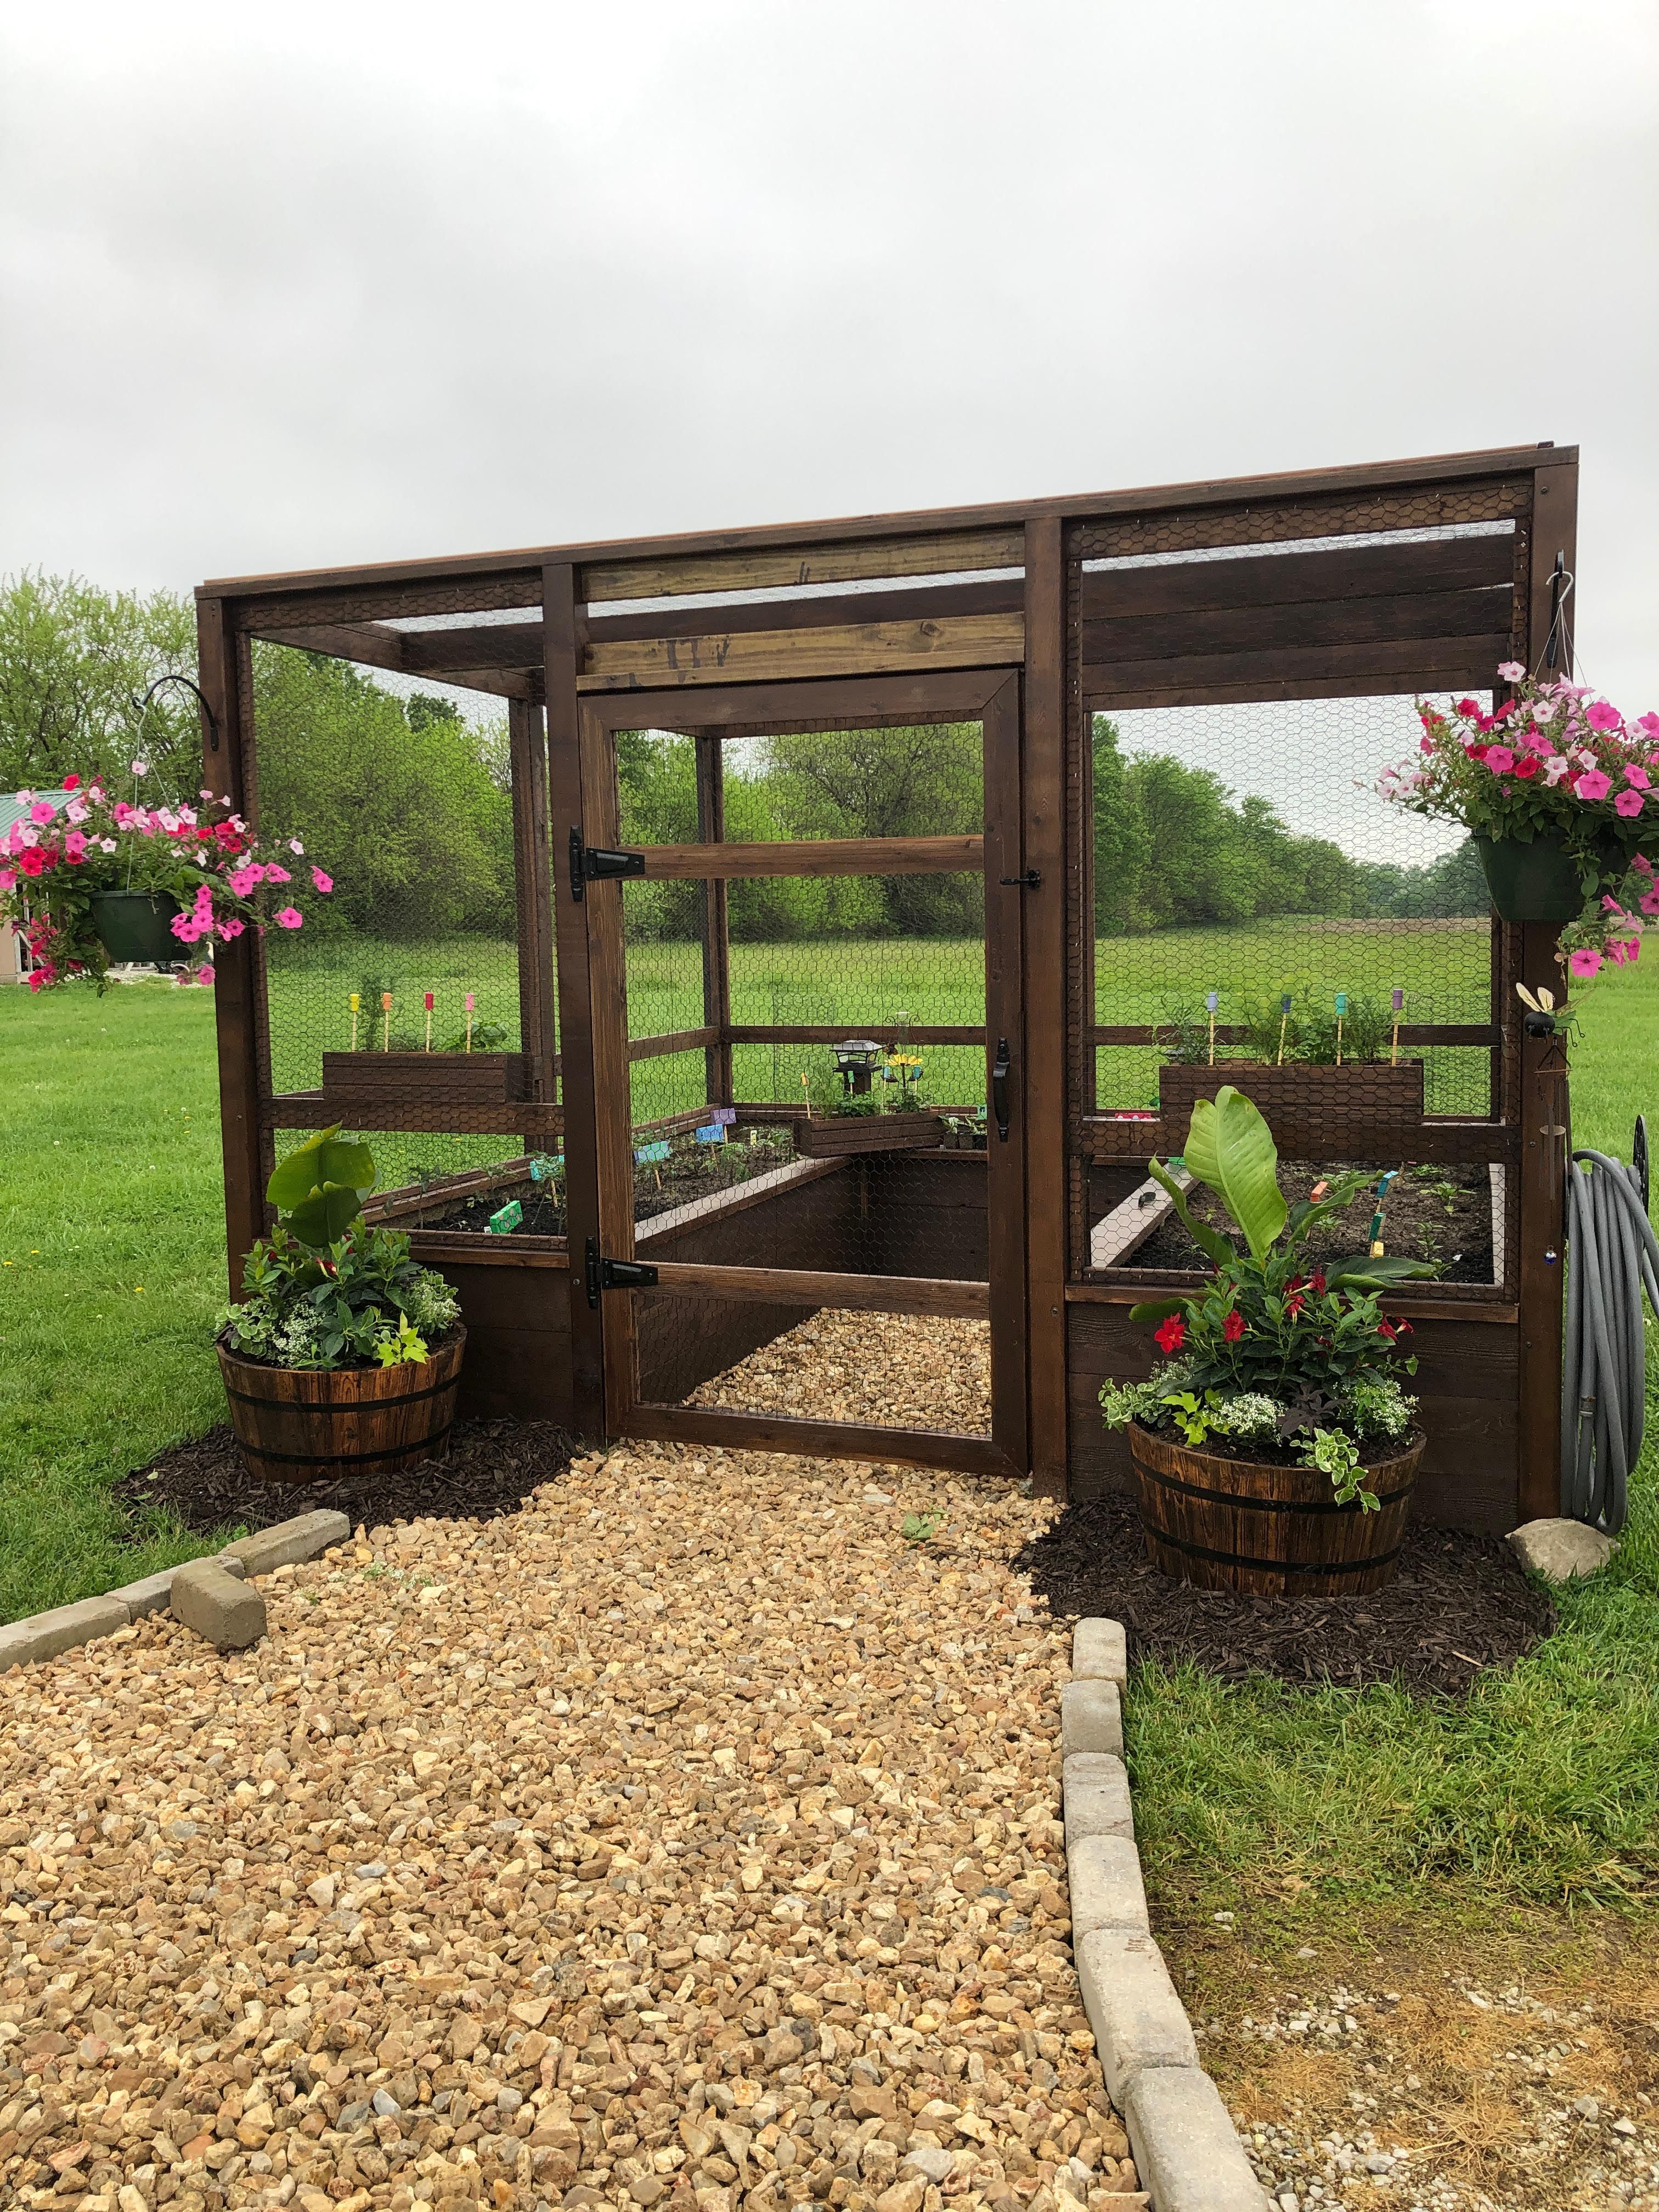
(1614,1257)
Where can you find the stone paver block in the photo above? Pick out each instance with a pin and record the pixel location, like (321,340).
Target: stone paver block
(305,1537)
(218,1605)
(1138,2019)
(44,1635)
(1100,1652)
(1107,1892)
(1559,1550)
(1186,2152)
(150,1595)
(1091,1718)
(1097,1797)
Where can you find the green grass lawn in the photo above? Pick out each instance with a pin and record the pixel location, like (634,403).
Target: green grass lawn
(1545,1785)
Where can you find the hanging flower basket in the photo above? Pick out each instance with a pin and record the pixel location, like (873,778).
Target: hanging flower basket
(1538,881)
(136,926)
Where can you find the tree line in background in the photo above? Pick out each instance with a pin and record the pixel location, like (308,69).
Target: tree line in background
(407,802)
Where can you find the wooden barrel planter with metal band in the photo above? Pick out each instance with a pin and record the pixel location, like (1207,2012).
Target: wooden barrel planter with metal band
(307,1424)
(1267,1530)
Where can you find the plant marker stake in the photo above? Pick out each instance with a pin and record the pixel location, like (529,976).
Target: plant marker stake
(355,1001)
(386,1021)
(807,1088)
(1376,1218)
(1211,1001)
(427,1002)
(1399,1001)
(469,1021)
(1341,1015)
(1284,1016)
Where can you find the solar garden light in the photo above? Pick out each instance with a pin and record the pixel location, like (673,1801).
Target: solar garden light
(855,1063)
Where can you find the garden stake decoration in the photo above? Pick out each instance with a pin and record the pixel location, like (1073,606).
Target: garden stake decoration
(1399,1004)
(1341,1016)
(469,1021)
(386,1021)
(1212,1000)
(1376,1218)
(1284,1018)
(426,1001)
(355,1002)
(805,1084)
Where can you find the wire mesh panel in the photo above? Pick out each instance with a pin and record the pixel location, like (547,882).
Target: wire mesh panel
(418,1000)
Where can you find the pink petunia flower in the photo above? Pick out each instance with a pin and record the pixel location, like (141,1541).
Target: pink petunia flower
(1628,803)
(242,880)
(1649,724)
(1584,962)
(1601,716)
(1511,671)
(42,811)
(275,875)
(1499,759)
(74,847)
(1593,784)
(231,928)
(294,846)
(1636,776)
(288,917)
(323,883)
(9,876)
(141,768)
(204,973)
(185,928)
(1649,901)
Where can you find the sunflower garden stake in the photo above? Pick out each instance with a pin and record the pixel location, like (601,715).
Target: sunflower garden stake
(354,1002)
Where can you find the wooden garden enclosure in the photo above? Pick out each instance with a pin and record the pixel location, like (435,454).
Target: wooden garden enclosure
(1261,639)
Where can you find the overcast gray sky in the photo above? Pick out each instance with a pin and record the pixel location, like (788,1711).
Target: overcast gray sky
(292,286)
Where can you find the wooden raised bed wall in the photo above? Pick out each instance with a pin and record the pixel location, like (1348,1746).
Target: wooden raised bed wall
(1033,618)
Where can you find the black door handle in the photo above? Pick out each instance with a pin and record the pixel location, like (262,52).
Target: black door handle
(999,1067)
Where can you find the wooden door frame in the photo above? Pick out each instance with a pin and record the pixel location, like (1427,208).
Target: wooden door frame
(991,697)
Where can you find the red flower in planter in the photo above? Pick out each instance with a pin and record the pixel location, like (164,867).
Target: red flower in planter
(1172,1335)
(1319,1286)
(1233,1328)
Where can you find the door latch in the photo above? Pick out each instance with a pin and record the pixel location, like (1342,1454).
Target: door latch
(1031,881)
(999,1071)
(593,864)
(604,1274)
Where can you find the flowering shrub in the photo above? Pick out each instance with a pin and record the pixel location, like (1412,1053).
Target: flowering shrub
(1554,760)
(1299,1363)
(60,856)
(325,1291)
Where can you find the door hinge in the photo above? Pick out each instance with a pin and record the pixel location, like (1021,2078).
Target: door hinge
(593,864)
(604,1274)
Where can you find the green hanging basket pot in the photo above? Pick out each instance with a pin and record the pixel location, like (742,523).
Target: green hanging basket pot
(136,926)
(1535,882)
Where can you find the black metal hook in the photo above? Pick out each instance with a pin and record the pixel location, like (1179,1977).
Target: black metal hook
(190,684)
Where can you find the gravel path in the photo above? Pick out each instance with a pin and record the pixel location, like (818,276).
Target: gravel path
(686,1838)
(928,1372)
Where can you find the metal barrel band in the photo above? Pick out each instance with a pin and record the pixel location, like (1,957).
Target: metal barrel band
(323,1406)
(1274,1567)
(348,1459)
(1264,1505)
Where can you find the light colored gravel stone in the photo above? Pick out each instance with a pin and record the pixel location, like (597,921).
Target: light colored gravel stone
(1107,1891)
(1100,1651)
(1132,2007)
(1091,1718)
(690,1807)
(932,1372)
(208,1597)
(44,1635)
(307,1536)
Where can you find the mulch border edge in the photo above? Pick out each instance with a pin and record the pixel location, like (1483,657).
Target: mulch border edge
(63,1627)
(1186,2150)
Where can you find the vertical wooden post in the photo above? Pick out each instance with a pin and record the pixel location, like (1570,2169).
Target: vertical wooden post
(1005,1161)
(533,898)
(716,934)
(225,667)
(1543,1100)
(1044,1086)
(576,1092)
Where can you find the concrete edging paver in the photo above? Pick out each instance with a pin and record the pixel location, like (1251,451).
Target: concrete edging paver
(1186,2151)
(44,1635)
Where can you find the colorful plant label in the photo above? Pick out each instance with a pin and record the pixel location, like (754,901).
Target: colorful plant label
(651,1156)
(504,1222)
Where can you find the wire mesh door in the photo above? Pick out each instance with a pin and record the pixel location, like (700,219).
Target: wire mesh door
(806,1056)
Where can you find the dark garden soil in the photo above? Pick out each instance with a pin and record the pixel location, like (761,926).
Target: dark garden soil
(491,1468)
(691,1171)
(1432,1212)
(1459,1604)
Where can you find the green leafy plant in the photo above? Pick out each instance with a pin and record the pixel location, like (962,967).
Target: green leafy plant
(918,1529)
(1184,1035)
(1306,1348)
(324,1291)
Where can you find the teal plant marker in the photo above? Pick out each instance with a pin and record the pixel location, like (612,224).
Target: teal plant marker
(713,1133)
(1341,1016)
(650,1156)
(1376,1218)
(504,1222)
(545,1169)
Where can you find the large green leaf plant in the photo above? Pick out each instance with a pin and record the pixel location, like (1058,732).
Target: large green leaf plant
(326,1290)
(1275,1356)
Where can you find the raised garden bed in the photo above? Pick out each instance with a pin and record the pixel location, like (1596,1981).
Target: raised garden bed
(393,1078)
(1449,1214)
(1370,1094)
(834,1136)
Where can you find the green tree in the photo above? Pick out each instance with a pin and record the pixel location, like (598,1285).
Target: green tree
(73,662)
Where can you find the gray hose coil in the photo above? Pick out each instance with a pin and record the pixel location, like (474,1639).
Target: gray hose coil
(1614,1257)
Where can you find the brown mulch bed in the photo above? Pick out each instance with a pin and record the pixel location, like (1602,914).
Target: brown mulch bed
(491,1468)
(1459,1605)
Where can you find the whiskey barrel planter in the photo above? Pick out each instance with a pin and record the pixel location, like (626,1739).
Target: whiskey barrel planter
(1266,1530)
(305,1425)
(832,1136)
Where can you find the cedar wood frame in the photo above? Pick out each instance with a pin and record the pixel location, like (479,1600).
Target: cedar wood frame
(1050,644)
